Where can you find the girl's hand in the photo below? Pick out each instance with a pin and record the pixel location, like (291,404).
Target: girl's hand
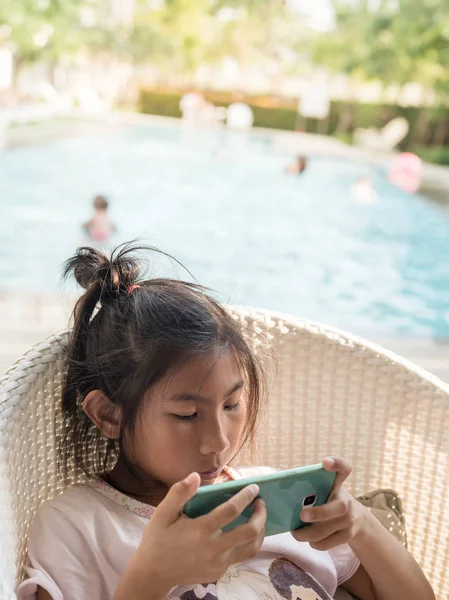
(176,550)
(338,521)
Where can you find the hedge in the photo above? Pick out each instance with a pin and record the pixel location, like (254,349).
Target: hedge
(426,124)
(435,154)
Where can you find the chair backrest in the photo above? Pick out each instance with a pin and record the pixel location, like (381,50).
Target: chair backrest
(395,131)
(333,394)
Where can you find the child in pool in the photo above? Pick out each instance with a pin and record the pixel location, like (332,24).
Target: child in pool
(162,390)
(99,228)
(299,166)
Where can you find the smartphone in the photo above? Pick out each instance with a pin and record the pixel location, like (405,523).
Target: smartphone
(285,494)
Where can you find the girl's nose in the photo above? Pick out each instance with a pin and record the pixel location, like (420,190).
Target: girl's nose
(213,438)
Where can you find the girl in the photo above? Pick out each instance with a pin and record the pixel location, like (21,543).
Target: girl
(161,392)
(99,228)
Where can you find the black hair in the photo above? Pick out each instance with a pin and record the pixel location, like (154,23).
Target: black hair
(301,162)
(128,332)
(101,203)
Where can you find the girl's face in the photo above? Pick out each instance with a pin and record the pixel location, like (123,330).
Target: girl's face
(192,420)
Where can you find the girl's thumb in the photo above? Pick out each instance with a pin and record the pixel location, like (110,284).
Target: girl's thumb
(170,509)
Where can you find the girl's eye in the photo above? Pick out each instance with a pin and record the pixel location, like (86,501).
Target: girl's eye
(186,417)
(194,415)
(232,406)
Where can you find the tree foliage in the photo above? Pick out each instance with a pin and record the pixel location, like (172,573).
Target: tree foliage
(392,41)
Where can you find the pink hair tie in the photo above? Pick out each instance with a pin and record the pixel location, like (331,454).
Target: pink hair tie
(132,288)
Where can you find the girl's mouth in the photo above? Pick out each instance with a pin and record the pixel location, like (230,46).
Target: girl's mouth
(209,475)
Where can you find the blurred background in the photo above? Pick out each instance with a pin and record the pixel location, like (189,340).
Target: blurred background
(293,155)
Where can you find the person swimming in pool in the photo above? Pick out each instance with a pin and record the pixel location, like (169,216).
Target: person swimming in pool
(363,192)
(99,227)
(299,166)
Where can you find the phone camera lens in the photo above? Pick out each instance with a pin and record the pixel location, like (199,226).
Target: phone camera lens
(309,500)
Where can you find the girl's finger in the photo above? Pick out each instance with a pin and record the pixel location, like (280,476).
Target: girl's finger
(320,531)
(170,509)
(331,510)
(230,510)
(338,465)
(246,551)
(250,531)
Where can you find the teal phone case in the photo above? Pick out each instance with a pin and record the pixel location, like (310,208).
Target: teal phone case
(283,493)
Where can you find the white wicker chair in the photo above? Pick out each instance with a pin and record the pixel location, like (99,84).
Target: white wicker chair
(334,394)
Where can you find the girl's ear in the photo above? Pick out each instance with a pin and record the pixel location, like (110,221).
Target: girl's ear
(103,413)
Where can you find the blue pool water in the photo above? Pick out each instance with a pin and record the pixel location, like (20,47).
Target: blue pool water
(224,207)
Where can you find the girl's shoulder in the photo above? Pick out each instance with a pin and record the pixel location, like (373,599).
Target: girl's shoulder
(83,514)
(69,516)
(73,494)
(78,499)
(81,502)
(92,504)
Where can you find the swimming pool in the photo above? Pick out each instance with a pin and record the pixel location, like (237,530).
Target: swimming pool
(223,205)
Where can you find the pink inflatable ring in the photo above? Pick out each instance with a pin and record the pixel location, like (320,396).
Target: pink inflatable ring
(406,172)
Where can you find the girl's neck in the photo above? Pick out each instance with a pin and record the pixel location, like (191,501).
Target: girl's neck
(136,485)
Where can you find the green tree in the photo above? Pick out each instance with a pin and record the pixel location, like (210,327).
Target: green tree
(345,50)
(259,34)
(174,36)
(40,29)
(392,41)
